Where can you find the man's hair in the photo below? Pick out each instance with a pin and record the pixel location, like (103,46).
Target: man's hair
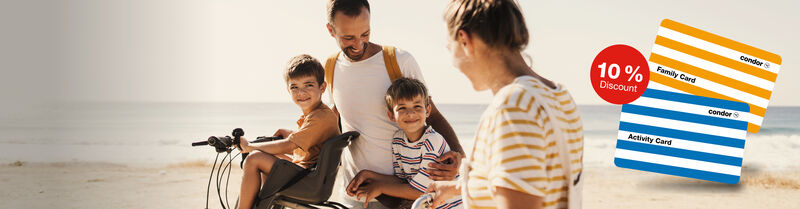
(405,89)
(499,23)
(304,65)
(351,8)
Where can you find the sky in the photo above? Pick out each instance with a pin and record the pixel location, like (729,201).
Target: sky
(235,51)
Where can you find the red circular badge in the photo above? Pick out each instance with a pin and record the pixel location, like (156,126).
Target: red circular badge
(619,74)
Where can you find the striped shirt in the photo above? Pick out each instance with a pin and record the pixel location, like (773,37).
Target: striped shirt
(515,145)
(411,160)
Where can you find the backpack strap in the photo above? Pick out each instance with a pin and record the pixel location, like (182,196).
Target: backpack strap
(390,60)
(330,64)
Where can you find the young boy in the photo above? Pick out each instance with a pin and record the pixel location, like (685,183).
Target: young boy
(414,146)
(304,80)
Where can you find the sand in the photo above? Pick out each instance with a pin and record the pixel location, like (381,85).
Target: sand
(100,185)
(183,185)
(624,188)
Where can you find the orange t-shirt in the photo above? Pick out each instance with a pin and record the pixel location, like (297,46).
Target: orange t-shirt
(315,127)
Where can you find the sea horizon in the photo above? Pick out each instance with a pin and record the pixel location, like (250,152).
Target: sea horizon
(161,132)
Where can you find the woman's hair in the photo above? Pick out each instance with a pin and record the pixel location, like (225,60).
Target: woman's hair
(499,23)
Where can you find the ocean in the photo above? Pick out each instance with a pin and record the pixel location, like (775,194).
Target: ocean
(161,133)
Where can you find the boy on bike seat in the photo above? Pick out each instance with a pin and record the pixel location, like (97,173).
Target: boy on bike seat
(305,83)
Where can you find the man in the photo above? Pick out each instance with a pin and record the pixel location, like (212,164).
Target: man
(361,82)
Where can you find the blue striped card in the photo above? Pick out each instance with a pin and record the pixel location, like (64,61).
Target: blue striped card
(683,135)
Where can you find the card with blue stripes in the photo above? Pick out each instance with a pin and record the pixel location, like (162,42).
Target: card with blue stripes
(683,135)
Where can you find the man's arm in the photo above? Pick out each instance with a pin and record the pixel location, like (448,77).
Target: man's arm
(387,189)
(441,125)
(443,171)
(399,190)
(378,184)
(368,176)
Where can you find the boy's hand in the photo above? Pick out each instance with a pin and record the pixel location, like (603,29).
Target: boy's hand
(363,177)
(283,133)
(368,191)
(443,191)
(446,168)
(244,146)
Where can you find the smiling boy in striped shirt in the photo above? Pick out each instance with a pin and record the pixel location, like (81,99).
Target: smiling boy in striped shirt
(414,147)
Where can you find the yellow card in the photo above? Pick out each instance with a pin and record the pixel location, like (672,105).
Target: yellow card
(689,60)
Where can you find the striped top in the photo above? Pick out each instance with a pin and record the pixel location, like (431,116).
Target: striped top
(411,160)
(515,145)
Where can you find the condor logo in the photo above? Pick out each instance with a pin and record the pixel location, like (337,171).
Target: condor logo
(753,61)
(723,113)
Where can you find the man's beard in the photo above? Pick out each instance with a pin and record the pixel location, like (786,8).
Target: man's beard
(355,57)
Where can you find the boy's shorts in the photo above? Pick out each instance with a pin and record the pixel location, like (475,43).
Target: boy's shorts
(282,172)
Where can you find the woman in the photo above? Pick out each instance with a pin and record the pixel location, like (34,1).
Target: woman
(529,144)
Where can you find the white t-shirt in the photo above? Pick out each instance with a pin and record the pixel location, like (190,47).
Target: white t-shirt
(359,89)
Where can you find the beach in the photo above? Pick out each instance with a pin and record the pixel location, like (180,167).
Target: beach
(138,156)
(102,100)
(104,185)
